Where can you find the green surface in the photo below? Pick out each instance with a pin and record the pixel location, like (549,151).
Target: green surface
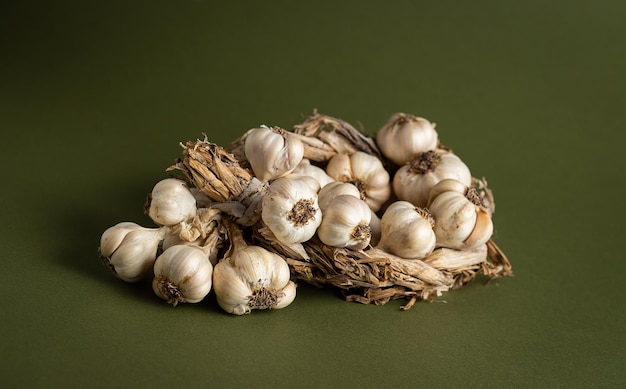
(95,96)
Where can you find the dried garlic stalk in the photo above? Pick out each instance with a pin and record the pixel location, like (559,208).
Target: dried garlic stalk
(325,136)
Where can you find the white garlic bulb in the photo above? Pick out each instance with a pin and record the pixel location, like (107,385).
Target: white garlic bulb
(272,152)
(404,136)
(461,219)
(306,169)
(334,189)
(171,202)
(290,210)
(346,223)
(129,250)
(407,231)
(366,172)
(182,274)
(412,182)
(252,278)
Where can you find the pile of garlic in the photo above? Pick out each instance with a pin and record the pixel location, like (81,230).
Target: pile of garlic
(255,214)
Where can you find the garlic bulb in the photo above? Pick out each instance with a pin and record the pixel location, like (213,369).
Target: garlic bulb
(171,202)
(366,172)
(404,136)
(407,231)
(129,250)
(306,169)
(413,181)
(272,152)
(252,277)
(334,189)
(461,219)
(290,210)
(182,274)
(346,223)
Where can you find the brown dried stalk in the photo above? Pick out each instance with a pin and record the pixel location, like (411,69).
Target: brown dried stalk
(213,170)
(325,136)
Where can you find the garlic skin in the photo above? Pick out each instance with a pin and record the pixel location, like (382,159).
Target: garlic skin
(404,136)
(366,172)
(272,152)
(290,210)
(182,274)
(171,202)
(129,250)
(412,182)
(252,278)
(306,169)
(346,223)
(461,222)
(407,231)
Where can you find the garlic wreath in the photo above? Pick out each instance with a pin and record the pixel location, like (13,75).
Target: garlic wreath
(346,223)
(407,231)
(413,181)
(404,136)
(129,250)
(272,152)
(462,220)
(182,274)
(290,209)
(366,172)
(251,277)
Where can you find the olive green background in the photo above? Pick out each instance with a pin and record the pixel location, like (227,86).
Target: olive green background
(96,96)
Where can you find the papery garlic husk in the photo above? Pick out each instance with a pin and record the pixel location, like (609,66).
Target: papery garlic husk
(272,152)
(290,210)
(306,169)
(407,231)
(129,250)
(250,278)
(366,172)
(202,200)
(461,221)
(346,223)
(413,181)
(182,274)
(171,202)
(404,136)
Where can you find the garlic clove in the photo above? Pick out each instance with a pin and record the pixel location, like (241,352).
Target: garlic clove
(113,236)
(339,167)
(288,295)
(171,202)
(272,152)
(483,229)
(182,274)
